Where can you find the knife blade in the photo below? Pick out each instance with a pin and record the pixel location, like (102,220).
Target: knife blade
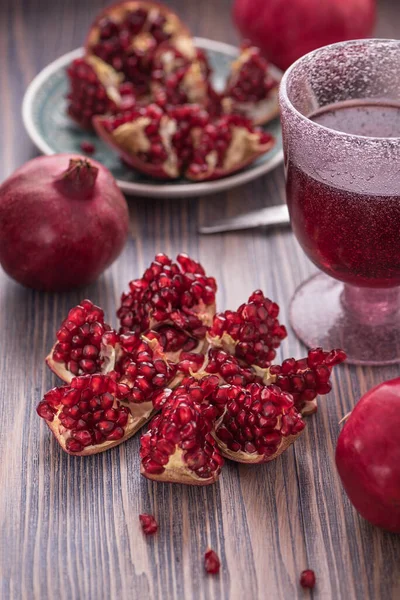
(269,216)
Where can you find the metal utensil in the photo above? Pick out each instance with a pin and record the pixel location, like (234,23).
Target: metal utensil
(264,217)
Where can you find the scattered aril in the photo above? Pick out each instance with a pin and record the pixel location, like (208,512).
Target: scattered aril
(148,523)
(211,562)
(88,147)
(307,579)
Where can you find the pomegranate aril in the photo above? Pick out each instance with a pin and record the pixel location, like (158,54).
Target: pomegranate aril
(73,445)
(307,579)
(148,523)
(88,147)
(211,562)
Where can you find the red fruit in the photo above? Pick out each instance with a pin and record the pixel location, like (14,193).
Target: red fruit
(251,333)
(307,579)
(251,91)
(211,562)
(368,456)
(258,422)
(304,379)
(60,226)
(126,36)
(180,75)
(96,89)
(149,524)
(286,30)
(79,414)
(178,294)
(85,344)
(179,447)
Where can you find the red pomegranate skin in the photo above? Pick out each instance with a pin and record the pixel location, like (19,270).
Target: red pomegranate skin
(287,29)
(368,456)
(55,241)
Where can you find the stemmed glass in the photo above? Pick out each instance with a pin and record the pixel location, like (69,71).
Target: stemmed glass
(340,109)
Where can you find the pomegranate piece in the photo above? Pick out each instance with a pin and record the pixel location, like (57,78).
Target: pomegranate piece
(219,363)
(368,456)
(126,36)
(173,343)
(96,89)
(157,143)
(179,447)
(252,333)
(149,524)
(170,293)
(258,422)
(251,90)
(211,562)
(147,374)
(88,147)
(85,344)
(58,244)
(225,146)
(304,379)
(180,75)
(89,415)
(307,579)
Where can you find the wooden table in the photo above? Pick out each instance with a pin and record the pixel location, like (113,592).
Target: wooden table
(69,526)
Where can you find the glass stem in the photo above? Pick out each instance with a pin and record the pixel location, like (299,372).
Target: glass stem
(371,306)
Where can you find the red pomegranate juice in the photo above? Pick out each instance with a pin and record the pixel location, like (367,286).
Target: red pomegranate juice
(352,236)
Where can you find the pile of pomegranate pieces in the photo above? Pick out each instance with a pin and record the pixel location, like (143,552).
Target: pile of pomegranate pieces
(146,90)
(208,375)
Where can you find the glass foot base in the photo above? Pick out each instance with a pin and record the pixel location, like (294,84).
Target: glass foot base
(364,322)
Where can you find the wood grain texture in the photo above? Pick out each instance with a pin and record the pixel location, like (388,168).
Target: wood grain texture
(69,526)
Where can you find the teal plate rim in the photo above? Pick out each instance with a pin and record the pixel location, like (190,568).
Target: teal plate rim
(146,187)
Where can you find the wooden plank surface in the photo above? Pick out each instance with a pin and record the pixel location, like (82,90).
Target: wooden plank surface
(69,527)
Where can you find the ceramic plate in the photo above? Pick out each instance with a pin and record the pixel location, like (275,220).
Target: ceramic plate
(45,119)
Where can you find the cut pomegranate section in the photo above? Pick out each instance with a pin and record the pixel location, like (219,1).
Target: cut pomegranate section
(154,142)
(251,90)
(217,362)
(178,446)
(147,374)
(173,343)
(258,422)
(304,379)
(85,344)
(211,562)
(170,293)
(252,333)
(180,75)
(127,34)
(88,416)
(96,89)
(225,146)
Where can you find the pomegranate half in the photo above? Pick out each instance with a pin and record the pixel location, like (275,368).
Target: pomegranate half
(368,456)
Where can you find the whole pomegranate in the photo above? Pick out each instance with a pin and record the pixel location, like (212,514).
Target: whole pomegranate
(368,456)
(285,30)
(63,220)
